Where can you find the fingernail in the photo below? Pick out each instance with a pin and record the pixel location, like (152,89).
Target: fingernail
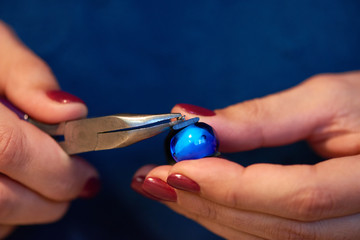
(182,182)
(138,180)
(193,109)
(91,188)
(136,185)
(160,189)
(63,97)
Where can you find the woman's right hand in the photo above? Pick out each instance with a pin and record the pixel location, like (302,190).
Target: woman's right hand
(37,178)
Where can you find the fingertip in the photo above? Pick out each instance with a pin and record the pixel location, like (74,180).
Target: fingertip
(28,82)
(66,106)
(52,106)
(63,97)
(193,110)
(178,109)
(182,182)
(214,118)
(91,171)
(139,178)
(86,177)
(91,188)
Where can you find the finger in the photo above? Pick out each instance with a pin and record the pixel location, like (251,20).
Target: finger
(273,120)
(231,220)
(256,224)
(219,229)
(224,231)
(160,192)
(299,192)
(29,83)
(19,205)
(34,159)
(138,179)
(5,231)
(263,226)
(157,187)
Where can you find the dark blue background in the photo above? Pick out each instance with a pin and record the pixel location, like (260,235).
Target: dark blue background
(141,56)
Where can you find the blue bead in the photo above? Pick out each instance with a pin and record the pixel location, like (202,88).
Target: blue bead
(193,142)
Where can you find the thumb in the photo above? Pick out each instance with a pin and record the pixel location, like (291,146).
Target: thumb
(30,85)
(273,120)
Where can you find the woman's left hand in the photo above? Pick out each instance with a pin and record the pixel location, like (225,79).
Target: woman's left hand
(268,201)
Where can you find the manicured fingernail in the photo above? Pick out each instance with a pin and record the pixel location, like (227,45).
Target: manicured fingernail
(182,182)
(136,185)
(91,188)
(63,97)
(138,180)
(160,189)
(193,109)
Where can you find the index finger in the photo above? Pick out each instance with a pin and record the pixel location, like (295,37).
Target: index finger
(326,117)
(300,192)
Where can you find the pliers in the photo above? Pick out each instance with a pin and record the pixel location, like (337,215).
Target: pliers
(100,133)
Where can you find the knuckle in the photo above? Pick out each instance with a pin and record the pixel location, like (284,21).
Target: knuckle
(293,231)
(313,203)
(11,144)
(232,199)
(192,216)
(327,83)
(256,109)
(324,79)
(253,109)
(208,211)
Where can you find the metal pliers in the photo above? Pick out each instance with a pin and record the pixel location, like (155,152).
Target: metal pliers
(100,133)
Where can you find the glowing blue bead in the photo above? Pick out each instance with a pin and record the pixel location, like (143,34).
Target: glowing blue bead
(193,142)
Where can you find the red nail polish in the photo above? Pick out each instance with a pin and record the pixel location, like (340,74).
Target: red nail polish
(136,185)
(193,109)
(91,188)
(182,182)
(160,189)
(63,97)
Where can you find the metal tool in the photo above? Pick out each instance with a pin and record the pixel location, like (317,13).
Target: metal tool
(100,133)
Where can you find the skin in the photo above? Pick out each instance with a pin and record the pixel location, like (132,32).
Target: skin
(275,202)
(262,201)
(38,179)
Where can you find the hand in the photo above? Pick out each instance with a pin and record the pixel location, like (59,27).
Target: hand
(38,179)
(268,201)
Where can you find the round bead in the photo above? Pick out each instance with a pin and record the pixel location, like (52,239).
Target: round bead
(195,141)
